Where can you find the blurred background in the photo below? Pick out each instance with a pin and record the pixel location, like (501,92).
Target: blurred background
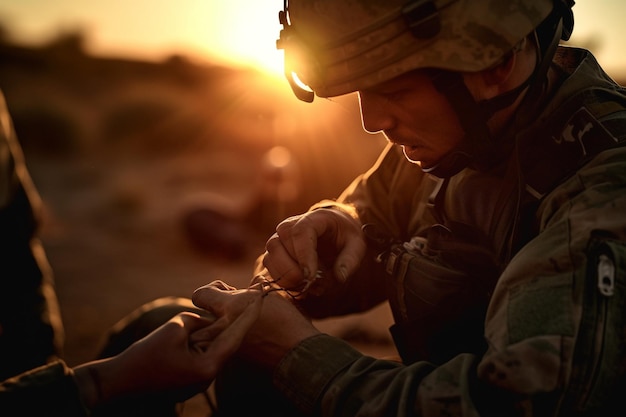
(166,145)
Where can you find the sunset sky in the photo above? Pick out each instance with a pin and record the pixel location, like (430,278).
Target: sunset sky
(237,31)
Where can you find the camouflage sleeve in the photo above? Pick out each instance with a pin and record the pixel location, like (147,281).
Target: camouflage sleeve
(556,322)
(555,327)
(46,391)
(325,376)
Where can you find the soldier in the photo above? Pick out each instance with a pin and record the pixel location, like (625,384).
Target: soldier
(31,330)
(492,223)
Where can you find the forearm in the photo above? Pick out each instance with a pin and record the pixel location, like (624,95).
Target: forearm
(325,376)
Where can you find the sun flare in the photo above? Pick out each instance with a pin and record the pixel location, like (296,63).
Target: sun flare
(247,34)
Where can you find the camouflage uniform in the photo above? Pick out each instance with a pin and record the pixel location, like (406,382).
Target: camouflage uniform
(537,239)
(31,331)
(49,390)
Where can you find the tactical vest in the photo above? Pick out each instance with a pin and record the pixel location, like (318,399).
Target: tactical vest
(441,280)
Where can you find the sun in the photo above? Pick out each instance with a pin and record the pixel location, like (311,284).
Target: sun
(245,32)
(270,60)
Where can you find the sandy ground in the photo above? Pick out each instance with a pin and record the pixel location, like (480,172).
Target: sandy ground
(114,238)
(108,260)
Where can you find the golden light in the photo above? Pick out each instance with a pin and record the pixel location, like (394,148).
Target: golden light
(299,82)
(246,34)
(278,157)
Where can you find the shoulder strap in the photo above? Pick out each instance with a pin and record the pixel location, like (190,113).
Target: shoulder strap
(545,163)
(545,160)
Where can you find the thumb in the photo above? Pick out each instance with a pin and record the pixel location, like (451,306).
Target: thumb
(211,296)
(192,321)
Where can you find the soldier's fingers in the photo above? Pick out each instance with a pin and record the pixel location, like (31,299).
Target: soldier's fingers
(229,340)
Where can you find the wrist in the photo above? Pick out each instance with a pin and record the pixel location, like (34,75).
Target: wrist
(266,346)
(100,381)
(88,383)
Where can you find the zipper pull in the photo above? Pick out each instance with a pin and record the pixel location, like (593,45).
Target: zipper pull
(606,275)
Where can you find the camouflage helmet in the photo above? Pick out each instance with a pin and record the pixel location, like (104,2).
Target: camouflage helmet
(340,46)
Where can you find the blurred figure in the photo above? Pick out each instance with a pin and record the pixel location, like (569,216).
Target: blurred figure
(161,354)
(31,329)
(278,189)
(223,229)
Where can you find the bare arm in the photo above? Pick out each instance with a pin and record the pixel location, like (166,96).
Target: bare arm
(183,355)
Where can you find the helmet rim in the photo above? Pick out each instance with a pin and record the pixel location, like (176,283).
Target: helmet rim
(352,58)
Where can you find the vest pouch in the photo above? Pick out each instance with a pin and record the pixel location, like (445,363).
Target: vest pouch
(441,286)
(599,365)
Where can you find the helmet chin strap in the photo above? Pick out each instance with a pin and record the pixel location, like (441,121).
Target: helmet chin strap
(478,149)
(473,119)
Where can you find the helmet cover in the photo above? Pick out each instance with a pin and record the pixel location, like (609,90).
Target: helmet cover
(340,46)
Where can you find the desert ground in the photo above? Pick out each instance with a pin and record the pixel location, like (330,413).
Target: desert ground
(122,152)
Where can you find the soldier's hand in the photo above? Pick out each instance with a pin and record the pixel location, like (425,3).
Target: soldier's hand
(279,327)
(326,240)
